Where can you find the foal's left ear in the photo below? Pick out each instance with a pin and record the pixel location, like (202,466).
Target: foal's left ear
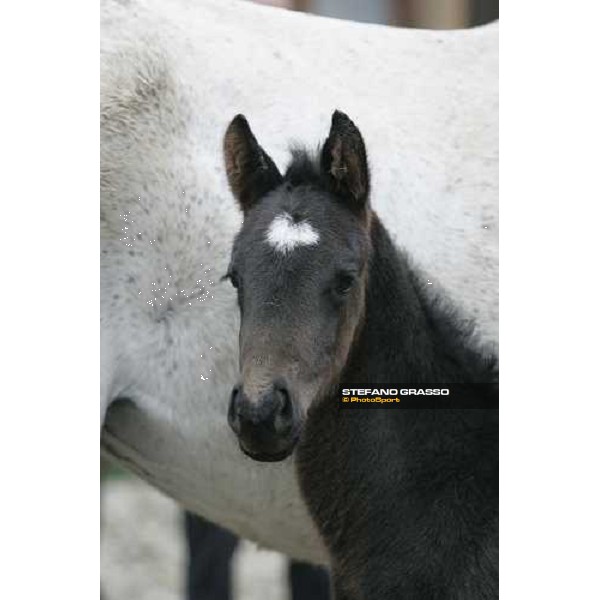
(250,170)
(344,161)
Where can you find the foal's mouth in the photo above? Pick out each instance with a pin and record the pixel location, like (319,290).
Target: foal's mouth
(270,456)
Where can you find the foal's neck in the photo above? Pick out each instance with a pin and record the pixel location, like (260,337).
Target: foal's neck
(408,335)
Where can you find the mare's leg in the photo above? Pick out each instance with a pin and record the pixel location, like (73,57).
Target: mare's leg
(210,549)
(309,582)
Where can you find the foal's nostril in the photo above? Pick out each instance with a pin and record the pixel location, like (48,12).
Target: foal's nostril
(284,409)
(286,403)
(233,416)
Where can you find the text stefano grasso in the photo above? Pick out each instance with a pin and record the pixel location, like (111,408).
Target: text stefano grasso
(411,395)
(418,391)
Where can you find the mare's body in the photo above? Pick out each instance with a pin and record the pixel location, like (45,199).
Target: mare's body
(173,74)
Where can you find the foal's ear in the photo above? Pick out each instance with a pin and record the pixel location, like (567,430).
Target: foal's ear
(250,171)
(344,161)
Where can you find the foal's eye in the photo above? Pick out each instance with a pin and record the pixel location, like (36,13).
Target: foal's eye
(344,283)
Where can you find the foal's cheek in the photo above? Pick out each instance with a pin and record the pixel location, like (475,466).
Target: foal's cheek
(348,321)
(329,344)
(325,355)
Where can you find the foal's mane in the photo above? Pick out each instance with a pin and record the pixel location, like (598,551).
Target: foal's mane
(423,306)
(458,331)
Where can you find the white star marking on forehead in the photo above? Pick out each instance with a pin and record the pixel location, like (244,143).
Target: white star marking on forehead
(285,235)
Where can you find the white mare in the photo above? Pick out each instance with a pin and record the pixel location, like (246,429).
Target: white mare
(174,73)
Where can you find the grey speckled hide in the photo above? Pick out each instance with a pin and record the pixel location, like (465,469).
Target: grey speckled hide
(174,73)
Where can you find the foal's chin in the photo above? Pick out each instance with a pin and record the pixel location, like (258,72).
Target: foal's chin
(265,455)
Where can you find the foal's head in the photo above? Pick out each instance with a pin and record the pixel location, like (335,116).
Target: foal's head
(299,265)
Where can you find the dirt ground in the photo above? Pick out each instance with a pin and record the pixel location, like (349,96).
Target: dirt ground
(142,550)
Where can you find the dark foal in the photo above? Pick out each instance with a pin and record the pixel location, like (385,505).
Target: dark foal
(406,500)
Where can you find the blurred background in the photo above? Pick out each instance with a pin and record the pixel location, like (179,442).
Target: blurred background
(150,549)
(425,14)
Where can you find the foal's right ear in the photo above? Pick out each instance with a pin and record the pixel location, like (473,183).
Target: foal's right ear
(250,171)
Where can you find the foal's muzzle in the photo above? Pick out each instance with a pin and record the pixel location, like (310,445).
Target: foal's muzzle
(266,427)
